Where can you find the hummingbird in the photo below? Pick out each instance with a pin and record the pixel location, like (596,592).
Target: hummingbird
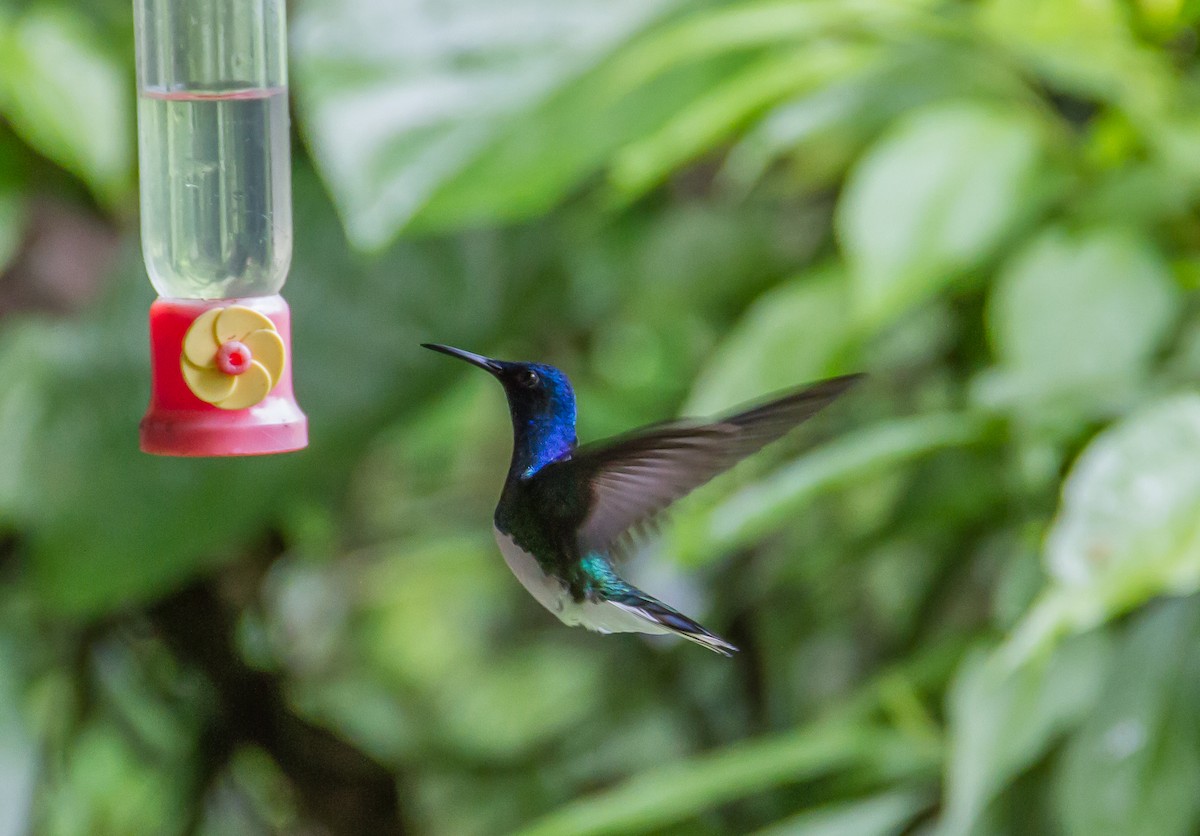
(567,513)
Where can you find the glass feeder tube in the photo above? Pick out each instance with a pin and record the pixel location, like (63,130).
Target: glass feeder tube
(215,174)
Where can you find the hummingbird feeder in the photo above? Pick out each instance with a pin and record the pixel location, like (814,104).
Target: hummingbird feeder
(215,175)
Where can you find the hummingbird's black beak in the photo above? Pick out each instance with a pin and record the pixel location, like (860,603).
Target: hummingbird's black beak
(485,363)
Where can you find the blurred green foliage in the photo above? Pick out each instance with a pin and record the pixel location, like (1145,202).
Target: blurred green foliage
(967,597)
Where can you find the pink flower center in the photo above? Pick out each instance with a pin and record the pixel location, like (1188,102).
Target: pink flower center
(233,357)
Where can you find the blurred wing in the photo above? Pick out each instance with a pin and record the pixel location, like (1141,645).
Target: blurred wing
(634,477)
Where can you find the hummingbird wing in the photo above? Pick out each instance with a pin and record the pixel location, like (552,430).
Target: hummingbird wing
(632,478)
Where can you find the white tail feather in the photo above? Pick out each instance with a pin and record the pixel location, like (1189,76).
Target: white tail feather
(683,626)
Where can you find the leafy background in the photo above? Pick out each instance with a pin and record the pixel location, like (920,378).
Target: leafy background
(966,596)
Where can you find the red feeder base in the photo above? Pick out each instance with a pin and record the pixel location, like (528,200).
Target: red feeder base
(179,423)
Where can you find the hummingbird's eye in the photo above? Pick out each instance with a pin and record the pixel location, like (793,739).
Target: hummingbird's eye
(528,378)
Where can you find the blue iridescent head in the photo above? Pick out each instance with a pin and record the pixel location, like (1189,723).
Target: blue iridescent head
(541,402)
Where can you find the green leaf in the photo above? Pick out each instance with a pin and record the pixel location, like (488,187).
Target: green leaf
(886,814)
(516,701)
(823,131)
(678,791)
(758,25)
(536,161)
(68,98)
(774,501)
(795,332)
(728,106)
(12,225)
(420,599)
(933,198)
(108,785)
(1133,768)
(1080,314)
(1131,500)
(400,101)
(1084,46)
(1002,720)
(1128,528)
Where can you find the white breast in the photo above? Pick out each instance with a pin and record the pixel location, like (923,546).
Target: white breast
(551,593)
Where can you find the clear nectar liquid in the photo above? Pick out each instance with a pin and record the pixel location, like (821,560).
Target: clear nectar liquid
(215,172)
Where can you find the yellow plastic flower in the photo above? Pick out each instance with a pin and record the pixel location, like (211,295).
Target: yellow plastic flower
(232,357)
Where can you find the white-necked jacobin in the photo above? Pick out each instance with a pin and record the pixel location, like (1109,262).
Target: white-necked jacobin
(566,511)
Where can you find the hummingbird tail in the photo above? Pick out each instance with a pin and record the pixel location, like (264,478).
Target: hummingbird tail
(638,603)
